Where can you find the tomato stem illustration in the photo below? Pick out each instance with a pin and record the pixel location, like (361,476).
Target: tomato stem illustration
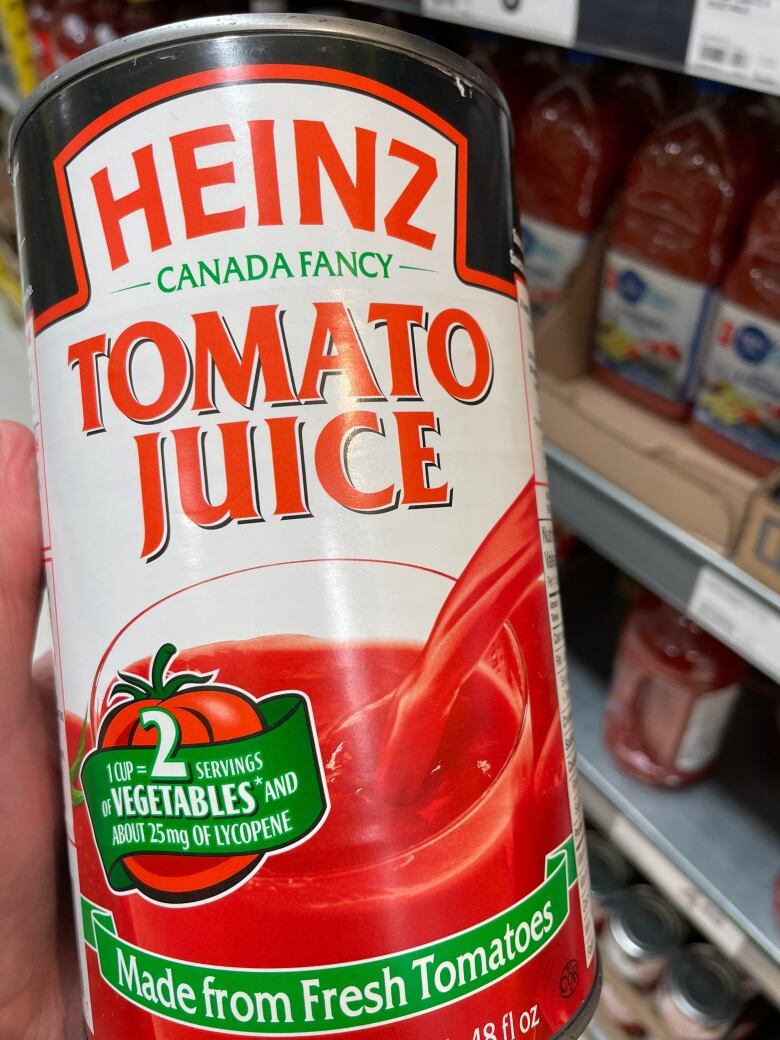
(76,794)
(158,688)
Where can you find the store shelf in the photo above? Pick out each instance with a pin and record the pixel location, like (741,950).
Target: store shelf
(712,848)
(740,611)
(734,43)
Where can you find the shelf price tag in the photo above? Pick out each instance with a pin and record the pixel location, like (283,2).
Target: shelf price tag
(737,41)
(739,619)
(554,21)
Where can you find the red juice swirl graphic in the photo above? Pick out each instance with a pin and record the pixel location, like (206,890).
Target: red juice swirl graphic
(494,583)
(432,782)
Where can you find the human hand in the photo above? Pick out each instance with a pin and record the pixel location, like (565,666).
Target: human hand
(39,990)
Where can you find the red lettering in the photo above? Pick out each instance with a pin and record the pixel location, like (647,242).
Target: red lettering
(397,221)
(335,347)
(193,179)
(147,199)
(264,351)
(240,501)
(269,203)
(417,458)
(175,363)
(289,473)
(315,148)
(83,356)
(154,500)
(443,330)
(331,460)
(400,319)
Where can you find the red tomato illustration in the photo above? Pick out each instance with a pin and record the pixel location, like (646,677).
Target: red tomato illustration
(206,713)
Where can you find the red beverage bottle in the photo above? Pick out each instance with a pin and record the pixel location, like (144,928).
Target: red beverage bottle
(672,693)
(40,18)
(573,142)
(145,14)
(689,188)
(73,34)
(524,72)
(107,20)
(738,404)
(645,93)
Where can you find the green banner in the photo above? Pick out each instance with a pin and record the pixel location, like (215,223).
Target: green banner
(336,997)
(246,796)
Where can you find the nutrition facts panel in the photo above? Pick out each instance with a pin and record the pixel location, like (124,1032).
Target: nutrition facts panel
(564,701)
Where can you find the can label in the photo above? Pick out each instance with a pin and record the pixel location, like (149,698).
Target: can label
(740,388)
(309,647)
(652,325)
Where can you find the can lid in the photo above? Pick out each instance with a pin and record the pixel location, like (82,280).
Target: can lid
(447,61)
(643,924)
(703,985)
(609,870)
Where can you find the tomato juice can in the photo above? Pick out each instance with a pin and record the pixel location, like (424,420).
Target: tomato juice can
(317,743)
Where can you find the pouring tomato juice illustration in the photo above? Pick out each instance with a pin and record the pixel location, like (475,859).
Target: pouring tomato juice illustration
(467,816)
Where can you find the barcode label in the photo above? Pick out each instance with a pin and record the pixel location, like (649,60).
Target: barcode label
(552,20)
(738,618)
(737,41)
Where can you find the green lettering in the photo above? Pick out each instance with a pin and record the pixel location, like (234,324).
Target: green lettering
(160,285)
(233,268)
(280,264)
(322,261)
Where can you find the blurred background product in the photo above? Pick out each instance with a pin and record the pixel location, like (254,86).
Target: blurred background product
(700,995)
(574,135)
(673,691)
(689,188)
(738,403)
(643,932)
(609,874)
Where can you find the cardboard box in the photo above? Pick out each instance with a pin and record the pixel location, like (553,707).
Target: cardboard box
(758,551)
(563,336)
(655,460)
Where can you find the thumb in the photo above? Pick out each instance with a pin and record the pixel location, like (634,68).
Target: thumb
(20,566)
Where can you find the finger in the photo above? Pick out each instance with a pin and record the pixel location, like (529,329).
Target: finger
(20,568)
(44,691)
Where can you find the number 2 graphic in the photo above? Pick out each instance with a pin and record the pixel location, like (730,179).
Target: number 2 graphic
(169,735)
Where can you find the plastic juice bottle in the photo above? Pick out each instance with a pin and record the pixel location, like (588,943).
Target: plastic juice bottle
(572,142)
(107,18)
(689,188)
(73,34)
(646,94)
(672,693)
(738,403)
(524,72)
(40,17)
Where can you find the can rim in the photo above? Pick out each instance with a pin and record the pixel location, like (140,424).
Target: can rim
(222,25)
(676,984)
(624,934)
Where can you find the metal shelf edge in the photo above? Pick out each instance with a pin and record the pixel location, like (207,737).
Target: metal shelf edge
(656,552)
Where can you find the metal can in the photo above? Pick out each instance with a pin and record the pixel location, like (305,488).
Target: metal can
(609,875)
(643,932)
(308,637)
(617,1009)
(700,995)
